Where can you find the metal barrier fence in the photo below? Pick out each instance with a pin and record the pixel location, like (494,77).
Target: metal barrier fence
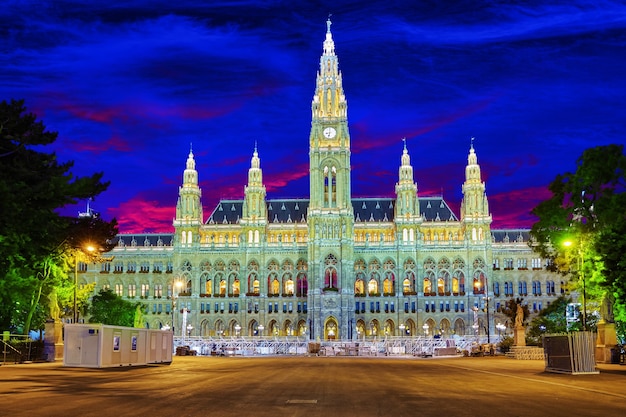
(390,346)
(570,353)
(17,348)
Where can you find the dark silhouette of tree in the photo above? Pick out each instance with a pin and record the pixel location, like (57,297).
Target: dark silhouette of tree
(35,240)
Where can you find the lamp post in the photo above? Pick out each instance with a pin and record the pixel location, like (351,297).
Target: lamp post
(177,284)
(237,329)
(189,329)
(425,327)
(580,266)
(88,248)
(260,330)
(487,308)
(402,327)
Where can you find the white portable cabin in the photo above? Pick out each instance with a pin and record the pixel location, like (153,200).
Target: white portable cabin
(102,346)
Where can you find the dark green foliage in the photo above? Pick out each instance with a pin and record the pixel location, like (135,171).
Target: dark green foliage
(587,208)
(505,344)
(612,245)
(35,240)
(108,308)
(551,319)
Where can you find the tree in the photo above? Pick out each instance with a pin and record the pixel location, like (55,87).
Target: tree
(587,208)
(35,239)
(109,308)
(551,319)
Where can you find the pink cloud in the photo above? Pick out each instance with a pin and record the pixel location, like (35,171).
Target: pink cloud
(142,216)
(115,143)
(511,209)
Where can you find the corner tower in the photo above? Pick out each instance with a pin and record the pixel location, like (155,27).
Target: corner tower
(330,215)
(189,207)
(406,216)
(254,217)
(475,214)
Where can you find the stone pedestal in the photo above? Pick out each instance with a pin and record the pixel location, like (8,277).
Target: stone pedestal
(605,341)
(53,341)
(519,336)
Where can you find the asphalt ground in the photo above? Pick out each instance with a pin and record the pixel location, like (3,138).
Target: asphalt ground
(312,386)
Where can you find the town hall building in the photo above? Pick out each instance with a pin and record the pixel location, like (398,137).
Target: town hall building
(329,266)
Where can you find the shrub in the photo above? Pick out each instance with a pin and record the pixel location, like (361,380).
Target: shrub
(505,344)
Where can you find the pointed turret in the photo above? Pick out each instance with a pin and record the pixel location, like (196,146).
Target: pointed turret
(254,216)
(475,207)
(254,208)
(406,189)
(189,207)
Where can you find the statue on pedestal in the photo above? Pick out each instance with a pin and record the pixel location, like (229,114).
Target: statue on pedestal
(519,331)
(519,317)
(53,335)
(53,305)
(606,308)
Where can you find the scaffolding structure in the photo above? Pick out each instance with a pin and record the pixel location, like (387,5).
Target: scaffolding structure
(421,346)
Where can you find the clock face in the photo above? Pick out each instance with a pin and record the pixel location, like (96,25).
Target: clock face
(329,133)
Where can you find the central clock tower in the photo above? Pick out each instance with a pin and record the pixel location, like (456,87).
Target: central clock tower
(330,214)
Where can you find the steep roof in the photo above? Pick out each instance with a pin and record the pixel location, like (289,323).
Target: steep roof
(365,210)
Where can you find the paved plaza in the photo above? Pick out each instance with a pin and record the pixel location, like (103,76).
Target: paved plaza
(312,386)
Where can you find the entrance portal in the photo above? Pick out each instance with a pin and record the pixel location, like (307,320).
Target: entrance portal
(331,330)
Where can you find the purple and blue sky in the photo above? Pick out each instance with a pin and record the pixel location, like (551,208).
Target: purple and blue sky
(129,85)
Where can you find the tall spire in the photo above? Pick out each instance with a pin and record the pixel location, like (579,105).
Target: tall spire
(329,156)
(329,100)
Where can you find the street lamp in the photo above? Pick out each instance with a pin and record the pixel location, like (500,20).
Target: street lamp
(260,330)
(189,329)
(402,327)
(425,327)
(237,329)
(501,327)
(580,265)
(88,248)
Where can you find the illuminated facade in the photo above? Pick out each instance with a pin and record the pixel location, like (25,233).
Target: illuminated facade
(329,266)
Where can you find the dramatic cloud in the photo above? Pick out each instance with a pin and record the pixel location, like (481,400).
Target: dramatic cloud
(132,86)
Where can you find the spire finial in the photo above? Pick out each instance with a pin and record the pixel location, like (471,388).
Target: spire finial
(472,142)
(404,140)
(328,23)
(255,145)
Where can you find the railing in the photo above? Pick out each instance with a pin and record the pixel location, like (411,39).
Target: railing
(20,348)
(389,346)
